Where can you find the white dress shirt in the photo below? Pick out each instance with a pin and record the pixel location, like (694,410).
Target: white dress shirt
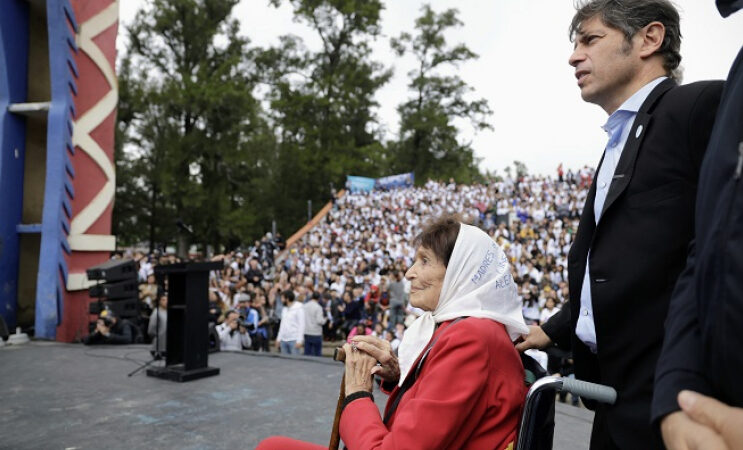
(292,324)
(617,127)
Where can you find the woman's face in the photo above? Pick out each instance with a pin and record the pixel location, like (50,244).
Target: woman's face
(426,277)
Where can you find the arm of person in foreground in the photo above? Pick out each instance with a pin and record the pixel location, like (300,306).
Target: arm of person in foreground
(690,420)
(455,377)
(703,423)
(680,365)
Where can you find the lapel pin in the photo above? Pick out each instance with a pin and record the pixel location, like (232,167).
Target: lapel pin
(638,132)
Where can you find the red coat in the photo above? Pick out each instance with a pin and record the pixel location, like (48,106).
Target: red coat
(469,394)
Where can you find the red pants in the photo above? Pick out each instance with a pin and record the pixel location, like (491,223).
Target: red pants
(282,443)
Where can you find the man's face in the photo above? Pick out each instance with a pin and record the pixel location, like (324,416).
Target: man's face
(605,64)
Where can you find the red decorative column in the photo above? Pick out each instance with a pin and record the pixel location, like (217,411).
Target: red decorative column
(94,183)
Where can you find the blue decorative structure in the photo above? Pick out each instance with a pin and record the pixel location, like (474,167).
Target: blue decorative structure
(54,227)
(13,88)
(52,276)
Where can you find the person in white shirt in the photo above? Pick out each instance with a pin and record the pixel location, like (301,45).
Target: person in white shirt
(291,331)
(232,335)
(549,310)
(314,319)
(158,324)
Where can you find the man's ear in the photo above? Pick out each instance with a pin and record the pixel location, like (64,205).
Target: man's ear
(651,38)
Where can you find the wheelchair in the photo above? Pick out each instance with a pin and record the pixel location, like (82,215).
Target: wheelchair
(536,430)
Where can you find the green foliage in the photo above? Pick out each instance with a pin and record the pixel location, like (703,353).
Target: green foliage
(227,137)
(521,170)
(189,112)
(322,102)
(429,143)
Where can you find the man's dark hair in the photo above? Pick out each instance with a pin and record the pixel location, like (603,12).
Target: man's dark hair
(440,236)
(629,16)
(288,295)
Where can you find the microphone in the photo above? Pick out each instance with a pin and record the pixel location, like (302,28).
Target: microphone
(183,227)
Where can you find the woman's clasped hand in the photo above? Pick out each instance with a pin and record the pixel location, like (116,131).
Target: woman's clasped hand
(367,356)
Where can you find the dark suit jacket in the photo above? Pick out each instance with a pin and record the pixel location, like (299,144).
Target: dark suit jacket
(638,250)
(703,349)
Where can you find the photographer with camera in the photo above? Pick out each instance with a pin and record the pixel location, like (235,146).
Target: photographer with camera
(111,330)
(233,333)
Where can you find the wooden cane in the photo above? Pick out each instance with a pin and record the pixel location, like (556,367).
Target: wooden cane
(335,437)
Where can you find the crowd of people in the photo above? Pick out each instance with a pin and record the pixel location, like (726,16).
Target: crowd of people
(641,260)
(346,276)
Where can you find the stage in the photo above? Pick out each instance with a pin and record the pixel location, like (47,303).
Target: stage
(68,396)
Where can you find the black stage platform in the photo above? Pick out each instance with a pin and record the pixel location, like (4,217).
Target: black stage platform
(67,396)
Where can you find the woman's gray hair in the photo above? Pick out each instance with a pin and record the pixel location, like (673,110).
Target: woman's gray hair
(629,16)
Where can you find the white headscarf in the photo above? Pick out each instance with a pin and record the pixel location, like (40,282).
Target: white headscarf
(477,283)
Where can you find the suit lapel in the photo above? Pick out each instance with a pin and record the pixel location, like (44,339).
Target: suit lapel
(626,166)
(586,226)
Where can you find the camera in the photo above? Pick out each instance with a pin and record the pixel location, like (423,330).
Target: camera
(248,326)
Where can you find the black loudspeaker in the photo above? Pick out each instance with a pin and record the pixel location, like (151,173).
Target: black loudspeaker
(121,289)
(118,291)
(3,329)
(124,309)
(114,270)
(188,322)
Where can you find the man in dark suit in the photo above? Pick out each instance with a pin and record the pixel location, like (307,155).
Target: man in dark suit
(698,397)
(638,217)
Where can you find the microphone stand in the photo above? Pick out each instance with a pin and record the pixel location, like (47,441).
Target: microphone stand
(156,356)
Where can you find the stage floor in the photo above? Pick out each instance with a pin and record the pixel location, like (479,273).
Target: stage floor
(68,396)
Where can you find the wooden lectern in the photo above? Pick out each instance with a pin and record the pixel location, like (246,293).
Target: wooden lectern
(188,321)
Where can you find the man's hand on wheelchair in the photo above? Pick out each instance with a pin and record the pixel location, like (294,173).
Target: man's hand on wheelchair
(536,338)
(703,423)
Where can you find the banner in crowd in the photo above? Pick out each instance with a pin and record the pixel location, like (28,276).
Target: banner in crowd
(359,184)
(396,181)
(365,184)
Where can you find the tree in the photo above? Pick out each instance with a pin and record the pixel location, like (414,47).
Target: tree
(322,102)
(131,194)
(198,135)
(428,140)
(521,170)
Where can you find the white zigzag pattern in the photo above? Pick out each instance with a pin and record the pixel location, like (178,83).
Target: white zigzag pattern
(78,239)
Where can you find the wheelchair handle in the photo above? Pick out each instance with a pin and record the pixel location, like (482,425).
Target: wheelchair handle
(591,391)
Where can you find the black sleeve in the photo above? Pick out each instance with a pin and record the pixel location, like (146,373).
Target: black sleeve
(701,121)
(122,338)
(680,365)
(94,338)
(356,396)
(558,327)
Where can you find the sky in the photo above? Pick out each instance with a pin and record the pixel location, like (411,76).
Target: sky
(522,69)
